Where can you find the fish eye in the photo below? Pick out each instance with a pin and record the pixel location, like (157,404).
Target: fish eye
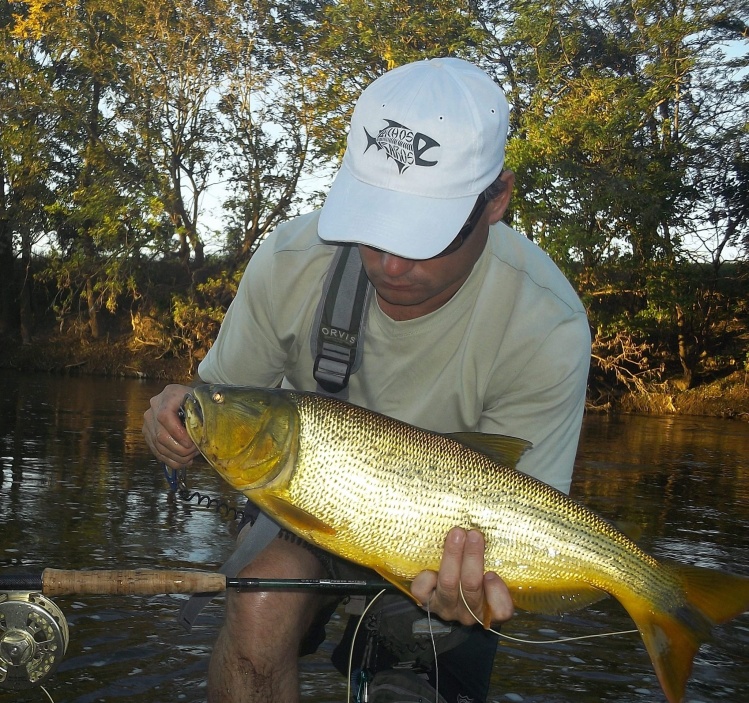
(217,397)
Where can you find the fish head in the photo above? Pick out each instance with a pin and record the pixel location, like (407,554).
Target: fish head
(247,434)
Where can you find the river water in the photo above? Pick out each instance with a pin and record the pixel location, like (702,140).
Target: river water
(78,489)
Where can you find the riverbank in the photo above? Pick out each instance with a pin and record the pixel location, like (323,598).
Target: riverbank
(726,396)
(112,356)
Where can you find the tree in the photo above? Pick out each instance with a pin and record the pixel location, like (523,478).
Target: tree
(264,134)
(28,151)
(74,59)
(343,46)
(611,104)
(175,62)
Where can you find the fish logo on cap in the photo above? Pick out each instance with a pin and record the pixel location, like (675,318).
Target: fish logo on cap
(402,145)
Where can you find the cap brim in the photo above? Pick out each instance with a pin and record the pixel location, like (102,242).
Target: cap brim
(407,225)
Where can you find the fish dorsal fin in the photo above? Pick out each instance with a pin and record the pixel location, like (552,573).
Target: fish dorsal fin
(631,530)
(503,449)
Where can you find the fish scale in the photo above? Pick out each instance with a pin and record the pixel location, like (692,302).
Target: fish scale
(384,494)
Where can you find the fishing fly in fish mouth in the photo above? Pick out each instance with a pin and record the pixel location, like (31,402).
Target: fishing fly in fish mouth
(384,494)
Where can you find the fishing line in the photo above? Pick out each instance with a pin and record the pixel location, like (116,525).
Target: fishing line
(353,642)
(215,504)
(522,641)
(434,650)
(47,692)
(356,632)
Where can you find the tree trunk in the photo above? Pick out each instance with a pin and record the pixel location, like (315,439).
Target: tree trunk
(24,294)
(8,301)
(93,309)
(685,351)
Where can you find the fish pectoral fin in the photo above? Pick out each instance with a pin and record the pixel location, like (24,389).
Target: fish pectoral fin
(299,520)
(556,599)
(399,582)
(503,449)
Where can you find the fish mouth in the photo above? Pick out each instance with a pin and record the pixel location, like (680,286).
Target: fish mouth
(195,409)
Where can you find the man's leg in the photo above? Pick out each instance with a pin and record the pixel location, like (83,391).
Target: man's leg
(465,671)
(255,658)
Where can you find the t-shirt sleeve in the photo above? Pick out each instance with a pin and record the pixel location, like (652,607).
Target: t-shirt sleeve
(246,350)
(546,402)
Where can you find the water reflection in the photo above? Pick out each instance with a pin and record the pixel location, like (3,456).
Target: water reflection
(79,489)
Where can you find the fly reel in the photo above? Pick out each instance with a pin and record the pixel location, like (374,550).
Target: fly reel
(33,639)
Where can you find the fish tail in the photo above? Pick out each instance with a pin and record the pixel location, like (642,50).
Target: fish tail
(719,595)
(672,637)
(370,141)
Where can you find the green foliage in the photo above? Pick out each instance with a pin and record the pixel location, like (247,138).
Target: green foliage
(197,316)
(629,141)
(355,41)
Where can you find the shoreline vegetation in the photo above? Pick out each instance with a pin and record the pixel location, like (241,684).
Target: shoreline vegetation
(725,395)
(628,139)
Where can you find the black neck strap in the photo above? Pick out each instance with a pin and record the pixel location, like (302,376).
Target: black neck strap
(337,333)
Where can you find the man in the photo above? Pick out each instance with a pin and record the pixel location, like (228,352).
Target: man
(472,328)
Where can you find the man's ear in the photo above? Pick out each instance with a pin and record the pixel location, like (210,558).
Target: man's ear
(497,207)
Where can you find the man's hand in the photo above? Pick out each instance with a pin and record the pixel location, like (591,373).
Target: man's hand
(165,434)
(462,565)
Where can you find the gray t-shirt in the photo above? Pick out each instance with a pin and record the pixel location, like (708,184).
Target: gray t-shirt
(508,354)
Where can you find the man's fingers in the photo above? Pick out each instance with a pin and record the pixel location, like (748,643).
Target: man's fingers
(451,565)
(423,586)
(163,430)
(165,408)
(498,599)
(472,567)
(461,590)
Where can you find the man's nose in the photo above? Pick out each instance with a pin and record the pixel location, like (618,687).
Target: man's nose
(395,266)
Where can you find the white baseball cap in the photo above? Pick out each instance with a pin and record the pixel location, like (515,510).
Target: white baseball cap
(425,140)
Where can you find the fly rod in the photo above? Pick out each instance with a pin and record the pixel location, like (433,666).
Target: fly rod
(34,633)
(149,582)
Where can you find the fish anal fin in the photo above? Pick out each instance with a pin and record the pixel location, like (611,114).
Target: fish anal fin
(297,519)
(487,619)
(503,449)
(557,599)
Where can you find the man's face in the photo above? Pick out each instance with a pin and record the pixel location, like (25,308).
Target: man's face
(410,288)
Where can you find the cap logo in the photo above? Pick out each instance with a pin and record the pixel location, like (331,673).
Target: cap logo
(402,145)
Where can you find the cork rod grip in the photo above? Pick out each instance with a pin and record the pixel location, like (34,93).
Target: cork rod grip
(139,582)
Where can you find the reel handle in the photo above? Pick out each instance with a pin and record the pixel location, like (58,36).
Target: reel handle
(140,582)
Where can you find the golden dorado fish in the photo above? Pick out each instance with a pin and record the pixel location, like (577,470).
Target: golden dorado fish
(384,494)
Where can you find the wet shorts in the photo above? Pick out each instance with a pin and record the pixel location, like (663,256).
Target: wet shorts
(333,565)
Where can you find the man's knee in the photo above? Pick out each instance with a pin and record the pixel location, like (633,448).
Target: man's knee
(287,614)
